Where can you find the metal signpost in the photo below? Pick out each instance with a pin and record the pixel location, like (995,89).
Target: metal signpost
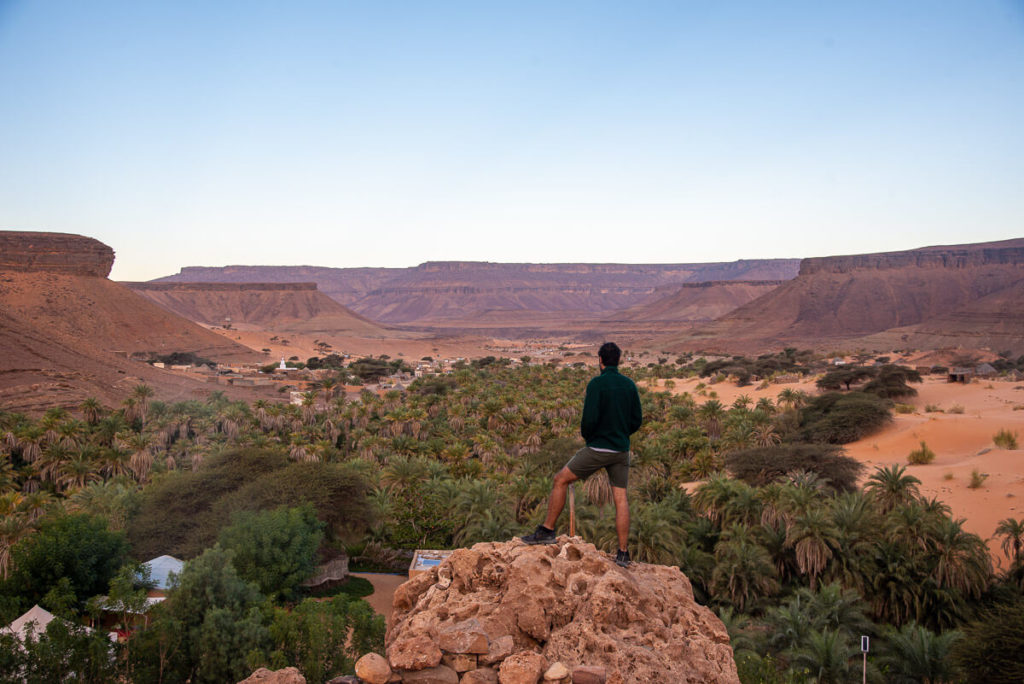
(864,649)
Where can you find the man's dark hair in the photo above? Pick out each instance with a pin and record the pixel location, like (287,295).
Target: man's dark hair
(609,353)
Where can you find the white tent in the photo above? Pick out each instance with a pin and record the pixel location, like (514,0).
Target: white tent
(160,570)
(40,616)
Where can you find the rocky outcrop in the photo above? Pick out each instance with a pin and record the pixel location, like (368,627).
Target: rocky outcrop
(54,253)
(509,613)
(288,675)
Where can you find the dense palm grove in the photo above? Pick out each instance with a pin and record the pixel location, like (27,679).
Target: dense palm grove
(753,501)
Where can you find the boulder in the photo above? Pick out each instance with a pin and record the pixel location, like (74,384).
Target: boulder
(441,674)
(522,668)
(288,675)
(589,674)
(566,602)
(414,653)
(373,669)
(483,675)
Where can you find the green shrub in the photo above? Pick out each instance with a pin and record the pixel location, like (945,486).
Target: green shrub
(921,456)
(932,408)
(903,408)
(761,465)
(1004,439)
(838,418)
(977,479)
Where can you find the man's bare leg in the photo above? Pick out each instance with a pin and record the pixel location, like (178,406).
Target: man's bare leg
(556,502)
(621,516)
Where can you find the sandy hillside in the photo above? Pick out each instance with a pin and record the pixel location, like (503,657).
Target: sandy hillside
(962,443)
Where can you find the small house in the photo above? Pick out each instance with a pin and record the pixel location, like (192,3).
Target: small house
(960,374)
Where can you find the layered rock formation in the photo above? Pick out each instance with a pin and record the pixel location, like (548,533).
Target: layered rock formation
(842,299)
(287,307)
(67,332)
(512,613)
(450,294)
(696,301)
(54,253)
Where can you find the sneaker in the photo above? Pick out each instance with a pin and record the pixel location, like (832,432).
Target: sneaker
(541,535)
(622,559)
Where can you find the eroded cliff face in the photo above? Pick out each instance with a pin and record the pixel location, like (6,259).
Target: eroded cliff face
(943,289)
(54,253)
(453,293)
(284,307)
(1004,253)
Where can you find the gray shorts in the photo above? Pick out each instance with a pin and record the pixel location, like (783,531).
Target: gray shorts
(586,462)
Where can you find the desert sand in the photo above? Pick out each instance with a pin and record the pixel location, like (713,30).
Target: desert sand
(962,442)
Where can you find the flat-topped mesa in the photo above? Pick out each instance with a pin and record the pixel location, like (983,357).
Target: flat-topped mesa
(54,253)
(1006,252)
(222,287)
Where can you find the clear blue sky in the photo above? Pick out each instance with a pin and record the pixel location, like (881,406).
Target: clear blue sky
(381,133)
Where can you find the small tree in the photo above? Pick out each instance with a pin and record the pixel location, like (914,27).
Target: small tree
(275,549)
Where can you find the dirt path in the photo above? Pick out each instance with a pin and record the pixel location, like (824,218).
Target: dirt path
(384,586)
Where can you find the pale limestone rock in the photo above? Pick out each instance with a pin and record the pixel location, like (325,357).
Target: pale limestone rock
(556,672)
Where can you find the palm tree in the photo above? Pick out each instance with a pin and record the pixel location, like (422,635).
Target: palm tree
(15,525)
(913,654)
(743,570)
(710,415)
(91,409)
(1012,532)
(963,562)
(892,486)
(828,656)
(141,455)
(78,471)
(142,394)
(812,536)
(712,496)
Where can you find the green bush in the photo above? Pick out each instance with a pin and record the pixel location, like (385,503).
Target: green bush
(837,418)
(182,513)
(1004,439)
(762,465)
(977,479)
(921,456)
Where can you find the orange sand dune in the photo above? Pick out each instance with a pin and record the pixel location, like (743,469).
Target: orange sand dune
(962,442)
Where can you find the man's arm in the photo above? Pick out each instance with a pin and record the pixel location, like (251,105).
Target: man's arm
(636,413)
(591,414)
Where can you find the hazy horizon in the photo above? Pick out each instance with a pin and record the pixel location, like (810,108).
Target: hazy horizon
(390,134)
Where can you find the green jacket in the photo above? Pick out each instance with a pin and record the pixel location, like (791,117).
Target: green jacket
(611,411)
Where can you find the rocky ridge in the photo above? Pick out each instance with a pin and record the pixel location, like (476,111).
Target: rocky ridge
(449,293)
(515,614)
(840,300)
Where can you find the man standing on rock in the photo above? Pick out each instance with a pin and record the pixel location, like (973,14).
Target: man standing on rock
(611,413)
